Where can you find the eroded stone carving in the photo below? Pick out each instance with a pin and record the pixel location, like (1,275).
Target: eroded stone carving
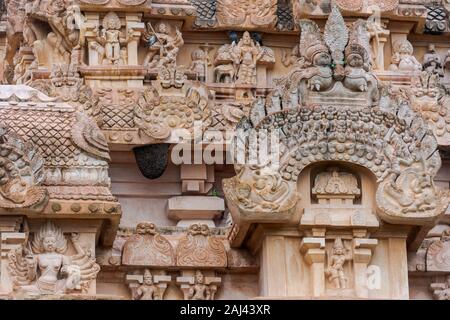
(438,254)
(336,260)
(163,48)
(200,249)
(430,99)
(147,248)
(246,14)
(441,290)
(199,287)
(110,41)
(148,286)
(172,103)
(403,58)
(401,152)
(21,172)
(237,62)
(432,61)
(335,184)
(43,267)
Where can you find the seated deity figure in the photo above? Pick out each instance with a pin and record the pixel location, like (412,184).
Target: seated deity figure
(199,290)
(355,75)
(163,48)
(148,290)
(45,269)
(403,58)
(316,63)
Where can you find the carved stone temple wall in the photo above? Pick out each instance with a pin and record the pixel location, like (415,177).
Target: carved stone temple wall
(222,149)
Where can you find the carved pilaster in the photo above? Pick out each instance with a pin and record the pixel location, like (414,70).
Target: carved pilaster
(362,255)
(314,251)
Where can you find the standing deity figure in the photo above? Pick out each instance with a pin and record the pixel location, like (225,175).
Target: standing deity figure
(246,54)
(148,290)
(163,48)
(199,290)
(403,58)
(432,62)
(45,269)
(111,38)
(199,63)
(376,34)
(336,261)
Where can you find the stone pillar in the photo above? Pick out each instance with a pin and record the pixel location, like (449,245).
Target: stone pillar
(314,251)
(362,254)
(273,267)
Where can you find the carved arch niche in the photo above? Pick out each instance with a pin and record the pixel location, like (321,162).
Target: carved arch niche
(337,194)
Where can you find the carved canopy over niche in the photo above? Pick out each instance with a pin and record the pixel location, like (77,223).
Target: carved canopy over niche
(382,135)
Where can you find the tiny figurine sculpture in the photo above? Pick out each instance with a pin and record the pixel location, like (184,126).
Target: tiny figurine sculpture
(403,58)
(199,290)
(148,290)
(246,55)
(45,269)
(163,48)
(199,63)
(110,39)
(432,62)
(335,271)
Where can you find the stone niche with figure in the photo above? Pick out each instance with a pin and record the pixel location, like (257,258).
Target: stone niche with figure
(54,259)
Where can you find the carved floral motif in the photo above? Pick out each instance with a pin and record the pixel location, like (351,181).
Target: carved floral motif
(147,248)
(200,249)
(438,254)
(172,103)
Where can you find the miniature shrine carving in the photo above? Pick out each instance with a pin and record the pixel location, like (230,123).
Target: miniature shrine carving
(110,41)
